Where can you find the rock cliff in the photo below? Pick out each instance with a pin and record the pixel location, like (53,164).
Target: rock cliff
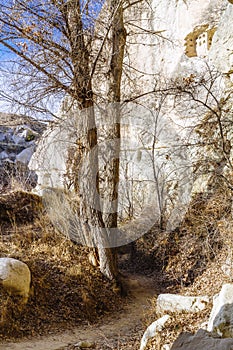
(18,137)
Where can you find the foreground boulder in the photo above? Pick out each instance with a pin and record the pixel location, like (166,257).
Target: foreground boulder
(221,317)
(15,277)
(180,303)
(202,340)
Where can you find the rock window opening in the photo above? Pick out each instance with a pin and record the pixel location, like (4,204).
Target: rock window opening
(198,42)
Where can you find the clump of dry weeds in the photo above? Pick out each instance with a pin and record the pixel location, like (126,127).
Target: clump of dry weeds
(19,206)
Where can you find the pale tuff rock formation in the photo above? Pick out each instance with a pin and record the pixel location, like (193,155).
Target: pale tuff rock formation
(15,277)
(49,161)
(188,29)
(179,25)
(221,57)
(18,136)
(221,53)
(25,155)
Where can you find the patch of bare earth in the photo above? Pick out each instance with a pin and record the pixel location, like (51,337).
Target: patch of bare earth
(111,332)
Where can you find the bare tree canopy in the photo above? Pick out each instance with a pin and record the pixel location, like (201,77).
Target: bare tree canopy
(53,41)
(50,43)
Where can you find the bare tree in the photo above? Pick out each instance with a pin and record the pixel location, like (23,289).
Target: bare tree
(58,48)
(53,43)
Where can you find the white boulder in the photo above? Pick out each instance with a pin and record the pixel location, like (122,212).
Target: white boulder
(221,317)
(15,277)
(180,303)
(152,330)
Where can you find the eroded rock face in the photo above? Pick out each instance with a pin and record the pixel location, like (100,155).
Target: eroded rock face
(18,136)
(49,161)
(15,277)
(186,25)
(179,303)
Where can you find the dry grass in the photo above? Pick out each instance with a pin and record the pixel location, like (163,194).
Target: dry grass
(192,258)
(66,289)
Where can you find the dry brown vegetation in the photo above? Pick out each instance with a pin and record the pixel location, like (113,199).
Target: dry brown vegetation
(66,289)
(192,260)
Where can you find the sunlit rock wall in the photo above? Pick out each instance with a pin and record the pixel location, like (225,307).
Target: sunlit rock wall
(169,42)
(169,47)
(221,52)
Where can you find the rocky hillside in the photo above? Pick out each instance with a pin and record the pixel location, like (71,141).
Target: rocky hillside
(18,136)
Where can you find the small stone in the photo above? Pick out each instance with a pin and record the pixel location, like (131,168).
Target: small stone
(166,347)
(152,330)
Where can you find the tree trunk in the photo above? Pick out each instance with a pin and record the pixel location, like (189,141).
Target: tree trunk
(90,210)
(113,130)
(92,224)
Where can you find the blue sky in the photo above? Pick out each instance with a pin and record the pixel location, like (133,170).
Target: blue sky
(7,56)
